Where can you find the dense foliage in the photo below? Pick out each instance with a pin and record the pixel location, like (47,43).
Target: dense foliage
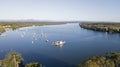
(108,60)
(33,64)
(105,27)
(14,59)
(2,30)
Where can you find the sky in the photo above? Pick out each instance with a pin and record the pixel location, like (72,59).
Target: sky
(60,10)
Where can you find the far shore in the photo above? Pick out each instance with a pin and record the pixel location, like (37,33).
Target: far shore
(5,26)
(103,27)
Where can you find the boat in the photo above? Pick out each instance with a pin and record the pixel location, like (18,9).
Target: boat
(2,35)
(23,34)
(46,40)
(59,43)
(32,42)
(44,36)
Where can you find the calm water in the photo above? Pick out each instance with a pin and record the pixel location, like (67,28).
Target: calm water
(80,44)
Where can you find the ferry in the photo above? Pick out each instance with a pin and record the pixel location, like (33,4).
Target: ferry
(59,43)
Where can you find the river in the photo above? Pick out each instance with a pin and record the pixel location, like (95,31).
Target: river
(80,45)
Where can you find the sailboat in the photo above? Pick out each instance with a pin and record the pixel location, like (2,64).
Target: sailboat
(44,36)
(46,40)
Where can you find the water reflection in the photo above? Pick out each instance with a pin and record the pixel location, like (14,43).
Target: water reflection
(80,44)
(34,37)
(39,36)
(44,36)
(23,34)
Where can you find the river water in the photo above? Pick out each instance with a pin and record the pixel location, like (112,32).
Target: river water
(80,44)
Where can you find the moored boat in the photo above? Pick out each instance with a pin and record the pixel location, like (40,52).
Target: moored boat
(59,43)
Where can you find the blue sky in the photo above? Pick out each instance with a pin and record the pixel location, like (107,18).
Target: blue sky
(60,10)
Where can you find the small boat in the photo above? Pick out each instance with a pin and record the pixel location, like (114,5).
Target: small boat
(2,35)
(59,43)
(45,37)
(34,35)
(46,40)
(23,34)
(32,42)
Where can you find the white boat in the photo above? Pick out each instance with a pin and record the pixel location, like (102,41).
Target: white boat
(44,36)
(46,39)
(2,35)
(59,43)
(32,42)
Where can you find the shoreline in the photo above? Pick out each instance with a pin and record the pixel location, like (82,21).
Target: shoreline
(6,26)
(102,27)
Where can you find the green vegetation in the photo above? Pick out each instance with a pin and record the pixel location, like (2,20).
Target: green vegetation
(4,26)
(14,59)
(2,30)
(105,27)
(108,60)
(33,64)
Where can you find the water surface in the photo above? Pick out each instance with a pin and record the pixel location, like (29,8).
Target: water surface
(80,44)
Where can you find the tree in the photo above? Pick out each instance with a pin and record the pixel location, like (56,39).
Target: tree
(12,59)
(33,64)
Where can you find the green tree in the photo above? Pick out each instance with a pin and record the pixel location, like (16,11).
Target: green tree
(33,64)
(12,59)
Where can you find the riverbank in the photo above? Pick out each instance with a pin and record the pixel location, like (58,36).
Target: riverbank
(5,26)
(14,59)
(104,27)
(111,59)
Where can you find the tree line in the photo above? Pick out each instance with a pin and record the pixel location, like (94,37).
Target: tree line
(111,59)
(104,27)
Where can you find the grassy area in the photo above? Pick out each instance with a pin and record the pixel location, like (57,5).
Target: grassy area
(14,25)
(108,60)
(105,27)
